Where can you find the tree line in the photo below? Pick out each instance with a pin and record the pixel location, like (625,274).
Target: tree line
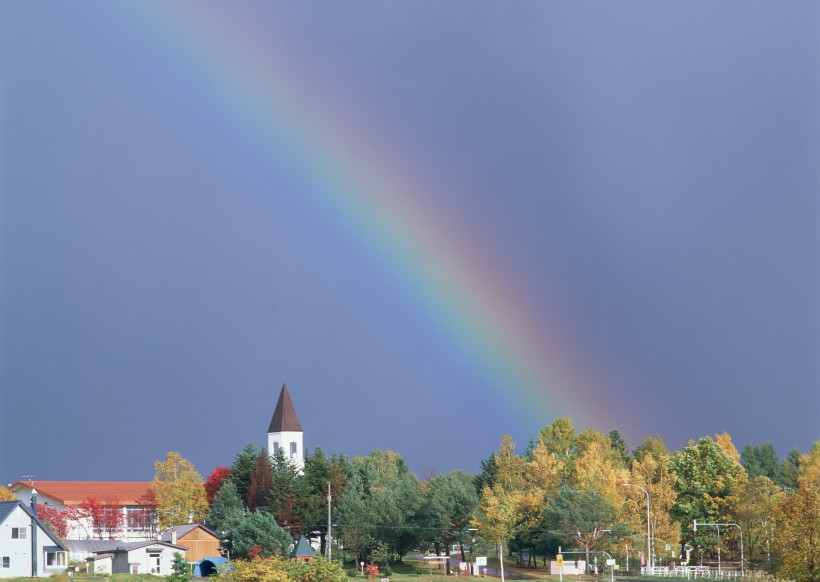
(586,491)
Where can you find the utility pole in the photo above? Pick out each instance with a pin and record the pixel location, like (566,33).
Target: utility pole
(329,517)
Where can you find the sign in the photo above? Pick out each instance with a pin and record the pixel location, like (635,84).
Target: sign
(481,560)
(610,562)
(559,559)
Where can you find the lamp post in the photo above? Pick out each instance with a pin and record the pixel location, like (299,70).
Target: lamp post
(717,525)
(649,560)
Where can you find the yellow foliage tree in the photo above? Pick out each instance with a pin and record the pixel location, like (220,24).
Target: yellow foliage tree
(797,520)
(498,515)
(6,495)
(651,471)
(180,493)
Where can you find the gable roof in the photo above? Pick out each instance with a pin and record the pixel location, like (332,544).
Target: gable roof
(129,546)
(75,492)
(183,530)
(7,507)
(284,417)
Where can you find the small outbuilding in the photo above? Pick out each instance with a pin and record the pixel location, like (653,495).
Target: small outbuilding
(210,566)
(302,550)
(200,541)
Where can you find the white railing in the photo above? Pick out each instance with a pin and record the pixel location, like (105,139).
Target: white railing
(690,572)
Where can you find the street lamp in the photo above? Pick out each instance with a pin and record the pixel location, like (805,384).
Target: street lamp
(649,560)
(717,525)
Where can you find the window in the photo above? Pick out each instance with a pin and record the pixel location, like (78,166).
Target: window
(275,447)
(55,559)
(292,449)
(19,533)
(6,562)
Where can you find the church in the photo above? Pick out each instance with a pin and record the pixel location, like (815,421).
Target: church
(285,432)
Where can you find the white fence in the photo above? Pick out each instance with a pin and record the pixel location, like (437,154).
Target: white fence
(691,572)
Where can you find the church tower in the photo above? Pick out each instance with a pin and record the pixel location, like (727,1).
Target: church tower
(285,432)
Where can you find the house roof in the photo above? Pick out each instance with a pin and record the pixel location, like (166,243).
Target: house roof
(183,530)
(129,546)
(75,492)
(92,546)
(284,417)
(7,507)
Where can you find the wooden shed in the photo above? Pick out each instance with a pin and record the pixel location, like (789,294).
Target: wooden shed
(200,541)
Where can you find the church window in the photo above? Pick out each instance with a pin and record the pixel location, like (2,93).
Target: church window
(292,449)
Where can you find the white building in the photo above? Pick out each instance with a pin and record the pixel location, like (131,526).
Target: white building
(27,546)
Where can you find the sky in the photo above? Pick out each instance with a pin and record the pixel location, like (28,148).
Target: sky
(437,222)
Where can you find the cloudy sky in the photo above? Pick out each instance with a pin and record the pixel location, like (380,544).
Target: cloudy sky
(436,222)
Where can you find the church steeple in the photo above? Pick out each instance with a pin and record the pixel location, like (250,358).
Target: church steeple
(284,417)
(285,432)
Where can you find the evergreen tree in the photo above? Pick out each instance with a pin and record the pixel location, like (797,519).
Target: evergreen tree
(227,511)
(180,568)
(242,469)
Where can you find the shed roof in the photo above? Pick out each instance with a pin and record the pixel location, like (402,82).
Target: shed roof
(302,549)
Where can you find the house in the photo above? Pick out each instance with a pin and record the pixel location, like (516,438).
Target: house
(147,557)
(125,512)
(27,546)
(200,541)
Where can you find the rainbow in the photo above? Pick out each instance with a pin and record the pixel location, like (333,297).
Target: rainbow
(480,309)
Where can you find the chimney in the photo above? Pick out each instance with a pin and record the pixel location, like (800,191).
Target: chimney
(174,536)
(34,502)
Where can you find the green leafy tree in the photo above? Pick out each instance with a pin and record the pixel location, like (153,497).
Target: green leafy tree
(356,523)
(789,470)
(180,493)
(706,484)
(580,517)
(180,570)
(259,532)
(448,507)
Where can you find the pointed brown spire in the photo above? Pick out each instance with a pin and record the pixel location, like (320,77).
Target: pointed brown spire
(284,417)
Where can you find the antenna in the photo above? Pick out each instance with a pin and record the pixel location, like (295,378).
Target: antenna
(29,477)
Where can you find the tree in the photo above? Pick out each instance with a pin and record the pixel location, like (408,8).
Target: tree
(286,494)
(146,517)
(789,469)
(6,494)
(619,445)
(560,439)
(242,469)
(797,520)
(111,516)
(580,516)
(448,506)
(706,485)
(489,467)
(498,515)
(260,530)
(760,460)
(91,510)
(227,512)
(55,519)
(755,516)
(179,491)
(259,490)
(180,571)
(278,569)
(214,482)
(356,521)
(650,470)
